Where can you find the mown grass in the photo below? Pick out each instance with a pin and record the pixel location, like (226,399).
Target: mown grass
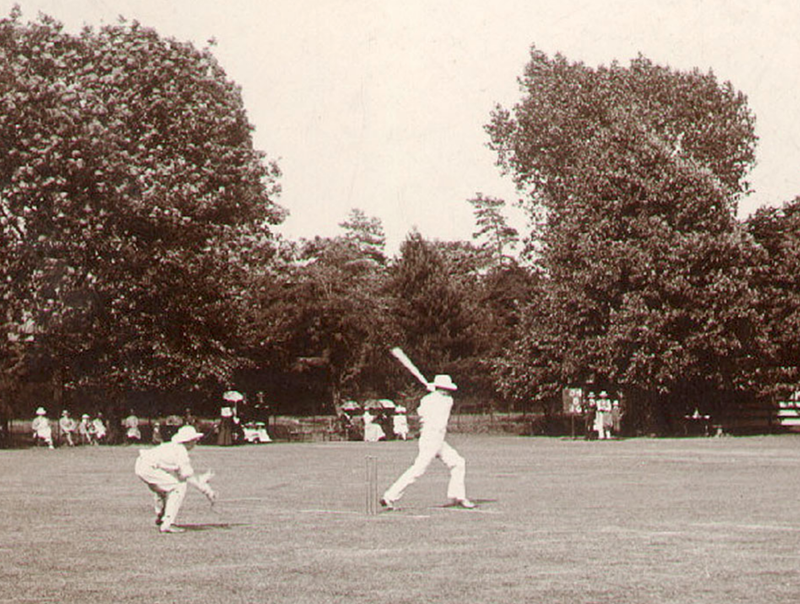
(560,521)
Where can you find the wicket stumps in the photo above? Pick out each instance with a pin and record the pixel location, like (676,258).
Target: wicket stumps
(371,483)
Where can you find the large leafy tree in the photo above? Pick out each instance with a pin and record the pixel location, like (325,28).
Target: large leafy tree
(128,186)
(632,176)
(322,319)
(434,287)
(777,231)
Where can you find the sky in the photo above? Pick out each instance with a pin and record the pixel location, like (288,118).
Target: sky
(381,104)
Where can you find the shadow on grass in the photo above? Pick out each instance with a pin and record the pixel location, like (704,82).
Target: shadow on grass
(211,526)
(478,502)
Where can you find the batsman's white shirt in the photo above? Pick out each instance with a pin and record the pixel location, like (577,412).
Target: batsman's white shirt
(434,413)
(164,465)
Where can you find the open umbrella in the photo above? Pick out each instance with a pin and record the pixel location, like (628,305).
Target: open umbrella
(386,403)
(233,396)
(350,406)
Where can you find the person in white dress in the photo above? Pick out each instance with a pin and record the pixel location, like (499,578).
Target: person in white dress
(132,431)
(400,423)
(167,470)
(372,429)
(434,413)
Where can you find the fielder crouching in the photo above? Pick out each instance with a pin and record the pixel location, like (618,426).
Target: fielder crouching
(434,413)
(167,470)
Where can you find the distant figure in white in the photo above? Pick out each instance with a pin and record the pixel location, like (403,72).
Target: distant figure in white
(42,430)
(86,430)
(167,470)
(602,419)
(99,428)
(68,426)
(132,431)
(400,423)
(372,429)
(434,413)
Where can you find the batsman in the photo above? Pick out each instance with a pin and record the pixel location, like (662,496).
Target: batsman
(434,413)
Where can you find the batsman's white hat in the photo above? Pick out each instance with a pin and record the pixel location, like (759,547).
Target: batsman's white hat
(186,434)
(41,411)
(445,382)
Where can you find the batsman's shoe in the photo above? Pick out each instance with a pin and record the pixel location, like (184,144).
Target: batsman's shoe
(171,529)
(463,503)
(387,504)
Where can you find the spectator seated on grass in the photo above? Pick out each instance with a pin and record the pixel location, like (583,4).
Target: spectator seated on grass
(68,428)
(86,430)
(42,430)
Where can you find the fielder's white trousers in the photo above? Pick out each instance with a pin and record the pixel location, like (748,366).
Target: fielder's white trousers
(429,449)
(168,492)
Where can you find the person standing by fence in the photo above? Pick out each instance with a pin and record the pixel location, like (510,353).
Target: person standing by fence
(603,421)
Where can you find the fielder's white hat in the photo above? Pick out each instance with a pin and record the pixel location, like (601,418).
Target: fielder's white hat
(186,434)
(445,382)
(41,411)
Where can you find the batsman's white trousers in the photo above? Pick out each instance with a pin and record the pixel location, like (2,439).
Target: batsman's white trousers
(168,491)
(430,448)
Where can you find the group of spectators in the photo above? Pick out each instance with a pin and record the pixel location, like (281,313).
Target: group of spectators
(229,430)
(603,416)
(377,422)
(87,431)
(96,430)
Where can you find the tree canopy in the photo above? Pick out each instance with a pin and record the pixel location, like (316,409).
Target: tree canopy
(777,277)
(128,182)
(138,251)
(632,175)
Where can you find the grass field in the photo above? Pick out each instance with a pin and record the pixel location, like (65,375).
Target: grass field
(559,521)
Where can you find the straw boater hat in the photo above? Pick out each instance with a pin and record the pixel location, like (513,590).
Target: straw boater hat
(41,411)
(445,382)
(186,434)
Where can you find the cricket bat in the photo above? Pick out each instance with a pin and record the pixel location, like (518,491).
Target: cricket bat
(401,356)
